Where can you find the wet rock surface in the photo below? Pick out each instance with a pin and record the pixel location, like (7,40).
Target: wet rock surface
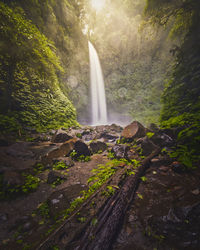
(120,151)
(98,146)
(61,136)
(146,145)
(66,160)
(81,148)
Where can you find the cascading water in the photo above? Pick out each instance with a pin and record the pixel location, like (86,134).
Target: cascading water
(98,98)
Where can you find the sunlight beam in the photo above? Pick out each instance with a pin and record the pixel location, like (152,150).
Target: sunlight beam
(98,4)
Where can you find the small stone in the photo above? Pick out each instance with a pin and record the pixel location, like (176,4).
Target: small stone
(177,167)
(196,192)
(177,188)
(164,168)
(163,173)
(27,226)
(60,196)
(155,160)
(3,217)
(55,201)
(120,150)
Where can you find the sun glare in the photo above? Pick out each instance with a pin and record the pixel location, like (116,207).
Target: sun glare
(98,4)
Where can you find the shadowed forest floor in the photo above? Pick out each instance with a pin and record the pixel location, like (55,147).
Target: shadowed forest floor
(163,214)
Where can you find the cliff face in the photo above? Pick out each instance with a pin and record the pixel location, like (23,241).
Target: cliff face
(41,49)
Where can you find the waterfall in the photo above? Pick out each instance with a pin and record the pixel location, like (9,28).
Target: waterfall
(98,99)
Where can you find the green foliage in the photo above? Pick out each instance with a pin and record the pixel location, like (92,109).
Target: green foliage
(39,168)
(122,140)
(81,158)
(150,134)
(73,154)
(29,69)
(144,178)
(57,182)
(60,166)
(109,191)
(111,155)
(82,219)
(140,196)
(31,184)
(55,248)
(9,123)
(135,163)
(94,221)
(79,135)
(43,210)
(181,102)
(101,175)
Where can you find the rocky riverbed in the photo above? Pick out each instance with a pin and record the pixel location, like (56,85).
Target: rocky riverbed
(41,179)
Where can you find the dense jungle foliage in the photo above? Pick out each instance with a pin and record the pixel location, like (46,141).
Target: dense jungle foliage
(181,97)
(37,52)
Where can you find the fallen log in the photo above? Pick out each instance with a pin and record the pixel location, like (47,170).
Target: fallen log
(55,238)
(110,218)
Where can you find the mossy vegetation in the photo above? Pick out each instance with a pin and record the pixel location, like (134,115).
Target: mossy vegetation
(30,79)
(181,102)
(30,184)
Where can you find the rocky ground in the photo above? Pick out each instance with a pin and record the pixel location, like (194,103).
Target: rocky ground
(41,181)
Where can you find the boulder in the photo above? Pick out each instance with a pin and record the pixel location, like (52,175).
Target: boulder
(81,148)
(98,146)
(133,130)
(89,135)
(109,136)
(53,176)
(162,139)
(61,136)
(67,160)
(59,151)
(120,151)
(147,146)
(116,128)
